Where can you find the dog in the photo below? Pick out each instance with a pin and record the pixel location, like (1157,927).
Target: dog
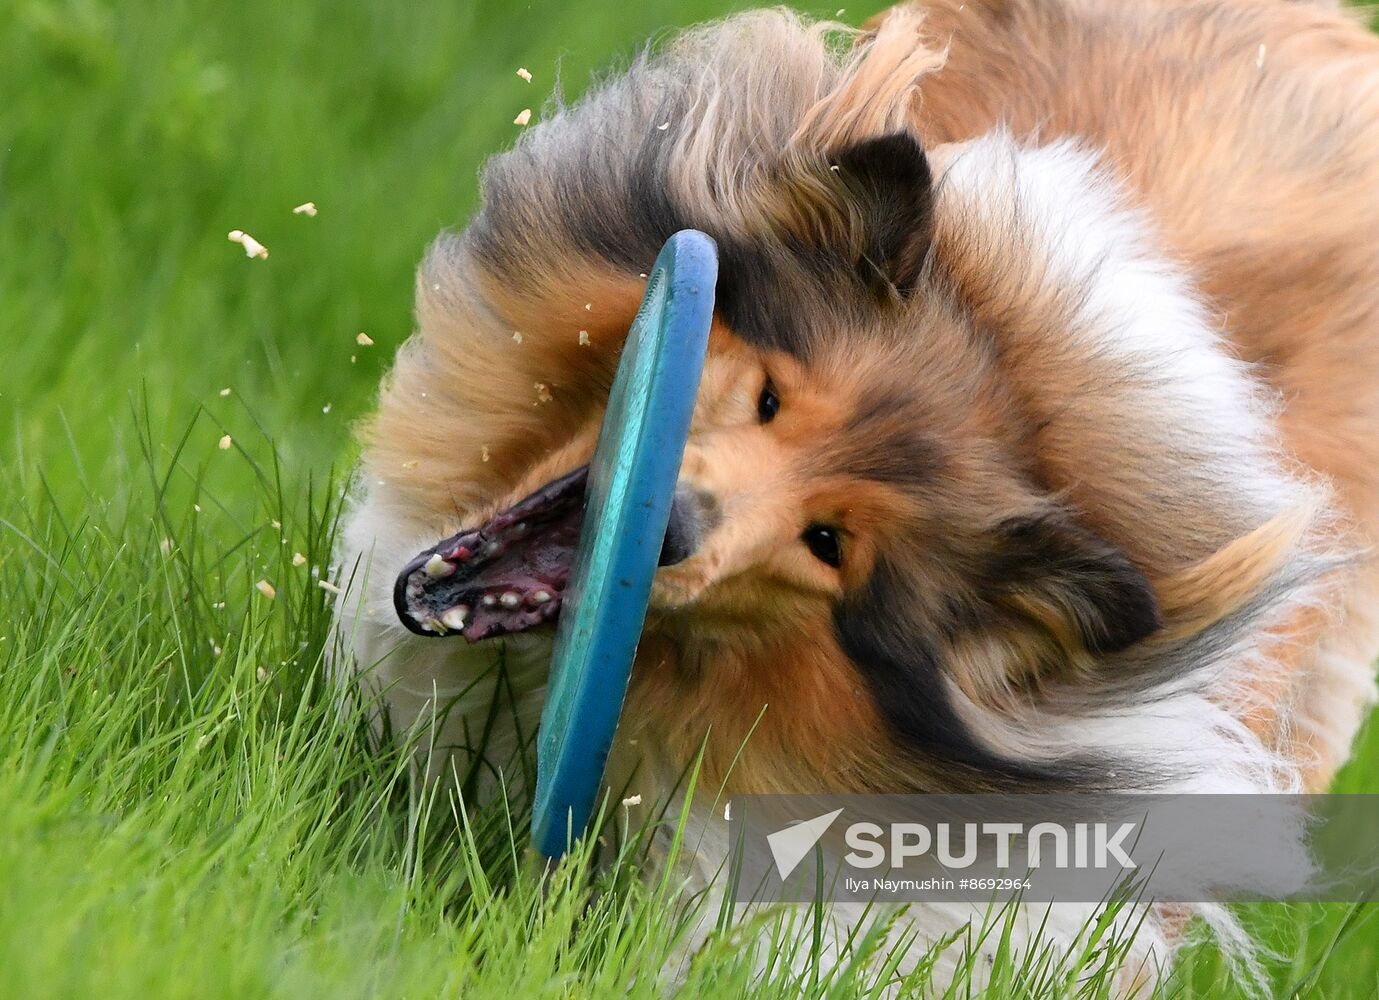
(1035,445)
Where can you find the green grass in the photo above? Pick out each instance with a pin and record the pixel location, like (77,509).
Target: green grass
(183,812)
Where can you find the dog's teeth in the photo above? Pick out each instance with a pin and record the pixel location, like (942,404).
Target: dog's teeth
(520,528)
(510,599)
(436,567)
(455,617)
(492,549)
(490,600)
(541,597)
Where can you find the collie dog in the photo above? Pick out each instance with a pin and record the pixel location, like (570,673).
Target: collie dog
(1038,442)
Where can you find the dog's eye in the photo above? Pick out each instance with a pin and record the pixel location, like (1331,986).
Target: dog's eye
(823,542)
(769,403)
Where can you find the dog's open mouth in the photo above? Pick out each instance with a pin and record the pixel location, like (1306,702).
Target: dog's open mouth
(506,576)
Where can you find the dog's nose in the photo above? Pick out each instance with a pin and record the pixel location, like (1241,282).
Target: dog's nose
(690,521)
(682,533)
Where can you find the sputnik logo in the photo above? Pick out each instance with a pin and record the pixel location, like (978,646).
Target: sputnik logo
(789,846)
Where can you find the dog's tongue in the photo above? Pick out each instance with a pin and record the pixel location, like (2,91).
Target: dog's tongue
(505,576)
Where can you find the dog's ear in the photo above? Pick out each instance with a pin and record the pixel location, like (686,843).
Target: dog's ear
(1080,589)
(889,191)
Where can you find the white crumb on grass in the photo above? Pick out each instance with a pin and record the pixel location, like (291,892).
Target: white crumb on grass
(524,73)
(298,559)
(266,589)
(328,587)
(252,247)
(523,117)
(225,392)
(225,442)
(363,340)
(307,208)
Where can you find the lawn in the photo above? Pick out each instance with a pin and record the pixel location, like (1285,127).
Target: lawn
(183,811)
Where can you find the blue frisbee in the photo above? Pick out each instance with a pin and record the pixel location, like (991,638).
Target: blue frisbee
(628,498)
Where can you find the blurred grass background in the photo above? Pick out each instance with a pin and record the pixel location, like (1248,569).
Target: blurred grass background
(180,811)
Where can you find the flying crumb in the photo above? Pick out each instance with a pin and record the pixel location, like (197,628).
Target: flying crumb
(298,559)
(328,587)
(583,338)
(632,800)
(225,392)
(588,306)
(225,442)
(543,393)
(364,340)
(410,464)
(266,589)
(663,126)
(517,336)
(523,117)
(728,809)
(1263,50)
(252,247)
(307,208)
(483,453)
(835,168)
(524,73)
(642,275)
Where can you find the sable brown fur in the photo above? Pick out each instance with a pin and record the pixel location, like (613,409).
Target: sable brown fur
(1247,131)
(1070,306)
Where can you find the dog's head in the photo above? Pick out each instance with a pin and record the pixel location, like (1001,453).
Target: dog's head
(957,440)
